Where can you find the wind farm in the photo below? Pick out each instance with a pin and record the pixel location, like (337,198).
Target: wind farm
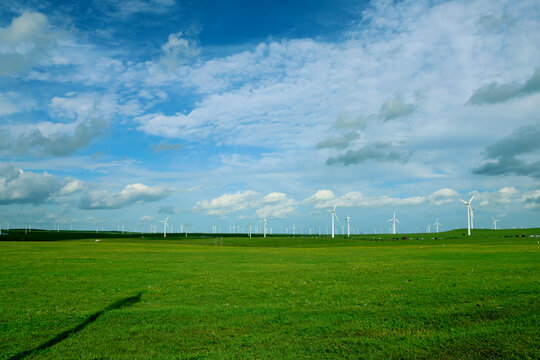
(269,180)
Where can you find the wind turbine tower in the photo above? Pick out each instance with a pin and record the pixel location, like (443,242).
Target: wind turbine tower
(495,223)
(394,220)
(348,218)
(437,224)
(469,212)
(333,215)
(164,226)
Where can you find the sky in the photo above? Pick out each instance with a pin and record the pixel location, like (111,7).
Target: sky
(221,113)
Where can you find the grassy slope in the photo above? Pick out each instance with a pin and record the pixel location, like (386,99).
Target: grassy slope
(472,297)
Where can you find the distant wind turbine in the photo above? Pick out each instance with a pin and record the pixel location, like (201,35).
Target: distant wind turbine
(265,221)
(437,224)
(348,218)
(469,212)
(164,226)
(495,223)
(333,214)
(394,220)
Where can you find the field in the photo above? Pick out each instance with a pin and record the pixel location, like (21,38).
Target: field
(373,297)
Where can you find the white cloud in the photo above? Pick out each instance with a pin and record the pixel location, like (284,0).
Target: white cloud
(272,205)
(274,197)
(19,187)
(25,42)
(531,199)
(58,143)
(357,199)
(179,50)
(276,205)
(227,203)
(131,194)
(321,195)
(443,196)
(72,187)
(146,218)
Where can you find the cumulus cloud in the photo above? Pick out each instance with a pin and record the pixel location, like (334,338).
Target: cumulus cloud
(274,197)
(131,194)
(395,108)
(276,205)
(503,156)
(71,187)
(24,42)
(532,199)
(503,196)
(443,196)
(179,50)
(228,203)
(58,143)
(20,187)
(338,142)
(378,151)
(146,218)
(272,205)
(357,199)
(321,195)
(495,93)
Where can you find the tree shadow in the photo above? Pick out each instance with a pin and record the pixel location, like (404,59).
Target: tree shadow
(64,335)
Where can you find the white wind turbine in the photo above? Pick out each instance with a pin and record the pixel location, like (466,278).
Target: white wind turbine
(165,226)
(333,214)
(469,212)
(495,223)
(394,220)
(348,218)
(437,224)
(265,222)
(249,227)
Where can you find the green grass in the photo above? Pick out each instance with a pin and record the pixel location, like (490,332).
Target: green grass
(454,297)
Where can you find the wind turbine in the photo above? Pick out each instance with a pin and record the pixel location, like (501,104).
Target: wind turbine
(469,212)
(495,223)
(393,223)
(348,218)
(437,224)
(333,214)
(265,222)
(249,227)
(164,226)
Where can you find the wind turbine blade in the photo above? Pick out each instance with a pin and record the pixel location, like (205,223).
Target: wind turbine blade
(397,221)
(167,218)
(335,207)
(472,197)
(389,220)
(463,201)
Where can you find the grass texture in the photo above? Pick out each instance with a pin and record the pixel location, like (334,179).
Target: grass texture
(366,297)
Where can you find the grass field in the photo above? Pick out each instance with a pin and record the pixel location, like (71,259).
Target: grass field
(453,297)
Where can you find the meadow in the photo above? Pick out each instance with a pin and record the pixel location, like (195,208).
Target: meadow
(66,295)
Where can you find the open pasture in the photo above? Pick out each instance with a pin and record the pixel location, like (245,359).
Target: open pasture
(453,297)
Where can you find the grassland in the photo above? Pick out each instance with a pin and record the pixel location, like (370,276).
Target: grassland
(453,297)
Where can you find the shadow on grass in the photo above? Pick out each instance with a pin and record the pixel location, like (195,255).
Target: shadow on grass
(64,335)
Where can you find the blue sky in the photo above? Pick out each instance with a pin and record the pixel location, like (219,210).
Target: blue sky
(220,113)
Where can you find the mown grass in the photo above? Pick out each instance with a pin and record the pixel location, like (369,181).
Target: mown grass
(453,297)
